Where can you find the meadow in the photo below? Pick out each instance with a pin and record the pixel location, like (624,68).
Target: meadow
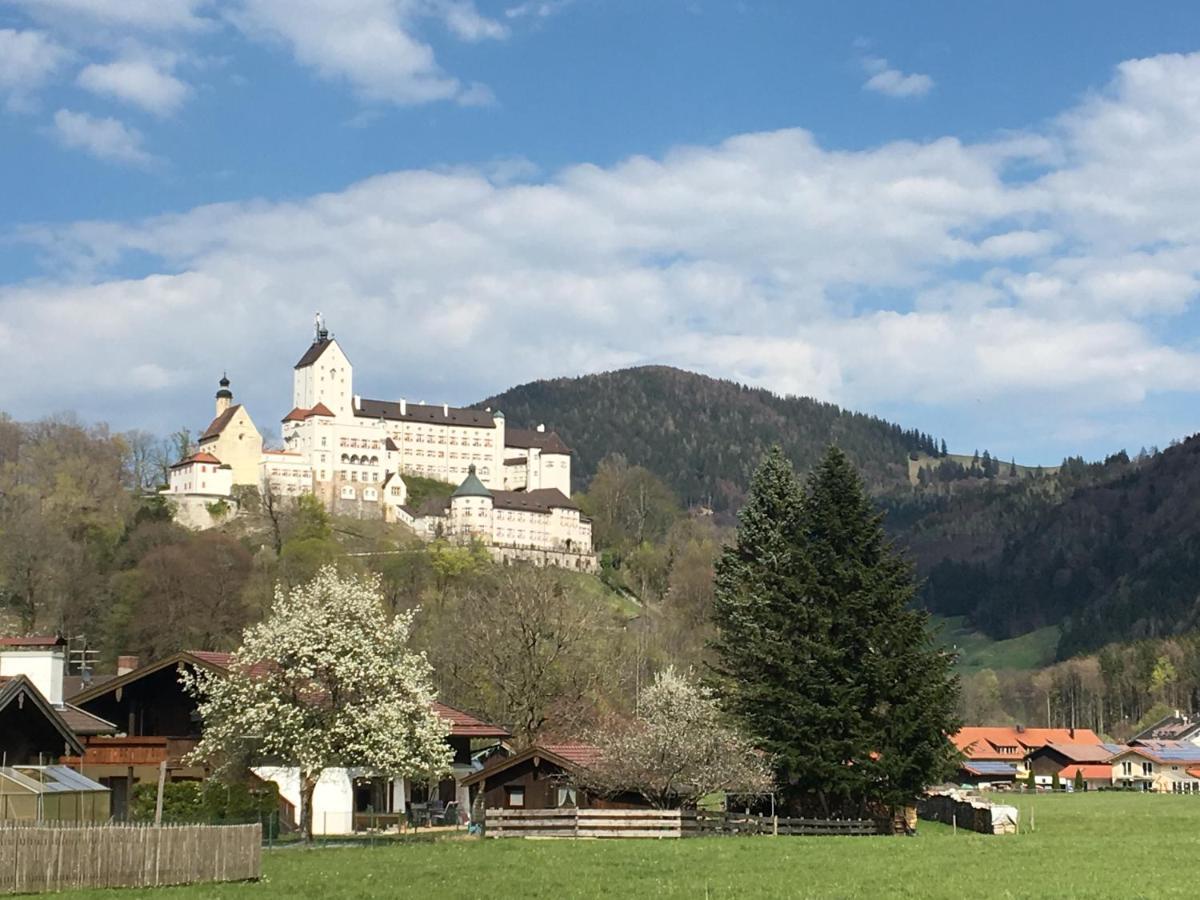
(1085,846)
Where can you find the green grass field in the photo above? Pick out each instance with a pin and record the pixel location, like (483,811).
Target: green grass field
(1086,846)
(978,651)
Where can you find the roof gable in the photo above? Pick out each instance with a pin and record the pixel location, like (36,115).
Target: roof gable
(20,688)
(220,423)
(569,757)
(314,352)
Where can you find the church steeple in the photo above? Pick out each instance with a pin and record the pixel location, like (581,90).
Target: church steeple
(224,394)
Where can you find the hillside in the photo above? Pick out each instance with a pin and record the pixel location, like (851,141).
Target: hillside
(1113,557)
(704,436)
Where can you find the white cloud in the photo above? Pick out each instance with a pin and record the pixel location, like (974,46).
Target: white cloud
(28,59)
(536,9)
(371,44)
(909,273)
(136,81)
(892,82)
(154,15)
(104,138)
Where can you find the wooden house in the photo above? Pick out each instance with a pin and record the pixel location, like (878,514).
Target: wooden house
(542,777)
(1066,760)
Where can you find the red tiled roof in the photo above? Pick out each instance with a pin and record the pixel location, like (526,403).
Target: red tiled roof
(1082,753)
(465,725)
(296,415)
(33,640)
(1194,771)
(299,414)
(1090,772)
(577,753)
(985,742)
(321,410)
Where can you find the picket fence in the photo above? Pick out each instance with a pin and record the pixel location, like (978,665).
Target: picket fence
(36,858)
(655,823)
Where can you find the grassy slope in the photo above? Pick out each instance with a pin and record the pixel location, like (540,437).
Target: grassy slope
(978,651)
(1087,846)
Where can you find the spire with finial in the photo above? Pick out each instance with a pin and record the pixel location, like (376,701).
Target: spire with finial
(224,394)
(322,330)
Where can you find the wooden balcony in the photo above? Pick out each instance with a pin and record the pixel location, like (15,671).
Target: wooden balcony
(133,751)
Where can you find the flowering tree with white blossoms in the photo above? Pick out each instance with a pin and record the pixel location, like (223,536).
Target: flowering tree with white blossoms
(678,749)
(327,680)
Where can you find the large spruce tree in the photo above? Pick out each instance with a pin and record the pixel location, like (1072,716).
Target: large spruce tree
(819,651)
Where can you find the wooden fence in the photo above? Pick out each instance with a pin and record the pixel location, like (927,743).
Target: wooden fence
(45,858)
(655,823)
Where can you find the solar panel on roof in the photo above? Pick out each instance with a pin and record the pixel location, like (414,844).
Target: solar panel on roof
(987,767)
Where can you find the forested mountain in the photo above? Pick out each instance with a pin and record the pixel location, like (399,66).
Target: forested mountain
(1115,558)
(704,436)
(1109,551)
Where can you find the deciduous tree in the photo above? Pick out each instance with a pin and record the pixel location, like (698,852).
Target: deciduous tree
(327,680)
(678,749)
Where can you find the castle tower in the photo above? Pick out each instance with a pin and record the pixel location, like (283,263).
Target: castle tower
(224,395)
(324,375)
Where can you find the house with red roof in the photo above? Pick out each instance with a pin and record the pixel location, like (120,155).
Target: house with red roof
(996,754)
(1069,760)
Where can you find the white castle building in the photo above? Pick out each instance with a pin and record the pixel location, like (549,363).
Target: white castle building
(353,453)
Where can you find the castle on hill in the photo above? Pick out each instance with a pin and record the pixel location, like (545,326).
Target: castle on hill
(353,454)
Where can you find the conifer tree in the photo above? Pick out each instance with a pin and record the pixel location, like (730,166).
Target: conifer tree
(821,654)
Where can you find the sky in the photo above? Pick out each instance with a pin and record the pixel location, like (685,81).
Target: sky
(979,220)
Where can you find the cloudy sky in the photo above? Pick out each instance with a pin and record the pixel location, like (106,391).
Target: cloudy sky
(984,223)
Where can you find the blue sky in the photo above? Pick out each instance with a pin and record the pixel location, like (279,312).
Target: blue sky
(975,219)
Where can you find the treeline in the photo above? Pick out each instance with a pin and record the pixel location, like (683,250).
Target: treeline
(703,436)
(1118,692)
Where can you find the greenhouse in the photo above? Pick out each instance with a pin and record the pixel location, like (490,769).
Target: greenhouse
(50,794)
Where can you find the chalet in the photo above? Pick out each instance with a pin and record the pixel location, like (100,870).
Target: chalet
(157,719)
(542,777)
(1067,760)
(36,724)
(1159,766)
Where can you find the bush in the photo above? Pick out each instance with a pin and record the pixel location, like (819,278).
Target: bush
(209,803)
(1056,783)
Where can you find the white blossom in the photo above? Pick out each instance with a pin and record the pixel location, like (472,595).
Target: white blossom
(326,680)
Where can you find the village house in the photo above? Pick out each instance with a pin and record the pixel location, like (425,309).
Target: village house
(1163,767)
(1067,760)
(1177,726)
(353,453)
(542,777)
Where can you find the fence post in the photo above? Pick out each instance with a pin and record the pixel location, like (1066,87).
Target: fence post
(158,803)
(775,826)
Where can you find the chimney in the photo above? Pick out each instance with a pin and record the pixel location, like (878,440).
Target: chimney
(357,402)
(43,660)
(126,664)
(446,410)
(403,407)
(541,428)
(224,395)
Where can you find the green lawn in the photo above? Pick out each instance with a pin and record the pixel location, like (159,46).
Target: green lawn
(978,651)
(1094,845)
